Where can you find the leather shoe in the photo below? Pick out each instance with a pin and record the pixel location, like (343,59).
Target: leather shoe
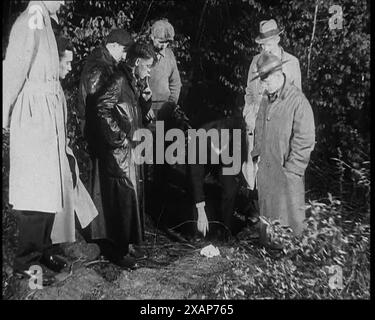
(265,240)
(126,262)
(47,277)
(54,262)
(137,252)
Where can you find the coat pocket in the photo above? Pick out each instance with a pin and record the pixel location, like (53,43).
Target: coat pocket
(289,173)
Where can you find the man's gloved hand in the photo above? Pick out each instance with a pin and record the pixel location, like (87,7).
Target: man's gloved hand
(202,224)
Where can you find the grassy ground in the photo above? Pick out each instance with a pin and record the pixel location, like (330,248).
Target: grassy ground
(244,270)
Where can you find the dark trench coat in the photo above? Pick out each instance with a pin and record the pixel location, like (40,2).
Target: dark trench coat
(119,113)
(284,139)
(99,67)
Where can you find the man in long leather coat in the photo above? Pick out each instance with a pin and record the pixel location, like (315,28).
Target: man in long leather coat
(118,113)
(99,67)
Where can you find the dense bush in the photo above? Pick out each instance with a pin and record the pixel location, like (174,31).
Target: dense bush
(306,269)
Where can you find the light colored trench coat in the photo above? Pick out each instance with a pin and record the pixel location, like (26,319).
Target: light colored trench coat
(284,139)
(253,97)
(33,96)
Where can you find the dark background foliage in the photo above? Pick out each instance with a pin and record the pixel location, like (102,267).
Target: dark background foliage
(214,45)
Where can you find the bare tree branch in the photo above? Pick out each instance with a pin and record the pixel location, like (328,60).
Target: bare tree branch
(148,10)
(312,39)
(201,22)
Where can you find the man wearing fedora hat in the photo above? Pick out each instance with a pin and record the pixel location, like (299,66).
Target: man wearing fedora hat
(269,39)
(284,139)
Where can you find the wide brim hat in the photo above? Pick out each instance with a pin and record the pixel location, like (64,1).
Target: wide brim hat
(268,29)
(267,64)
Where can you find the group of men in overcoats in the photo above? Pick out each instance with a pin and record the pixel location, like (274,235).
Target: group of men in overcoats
(123,86)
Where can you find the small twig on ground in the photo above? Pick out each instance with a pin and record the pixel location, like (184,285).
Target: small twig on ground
(30,294)
(150,233)
(188,245)
(71,266)
(95,262)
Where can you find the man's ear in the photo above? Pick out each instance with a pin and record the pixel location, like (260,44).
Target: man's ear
(137,62)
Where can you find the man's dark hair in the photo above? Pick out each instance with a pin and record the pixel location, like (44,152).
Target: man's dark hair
(63,44)
(141,50)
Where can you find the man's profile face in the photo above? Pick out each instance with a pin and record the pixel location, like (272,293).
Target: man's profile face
(143,67)
(159,44)
(271,45)
(65,65)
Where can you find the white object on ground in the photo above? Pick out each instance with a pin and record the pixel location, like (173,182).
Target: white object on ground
(210,251)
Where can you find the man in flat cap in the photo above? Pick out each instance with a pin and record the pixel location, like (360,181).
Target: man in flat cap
(165,81)
(284,139)
(99,67)
(165,84)
(268,38)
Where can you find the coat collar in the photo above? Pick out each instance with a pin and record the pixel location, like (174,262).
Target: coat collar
(40,5)
(128,73)
(107,56)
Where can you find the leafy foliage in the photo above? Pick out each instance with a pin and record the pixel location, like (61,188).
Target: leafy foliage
(306,269)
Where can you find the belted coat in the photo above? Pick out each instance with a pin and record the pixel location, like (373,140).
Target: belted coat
(35,103)
(30,86)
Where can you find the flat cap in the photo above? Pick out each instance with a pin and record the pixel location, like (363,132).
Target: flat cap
(162,30)
(120,36)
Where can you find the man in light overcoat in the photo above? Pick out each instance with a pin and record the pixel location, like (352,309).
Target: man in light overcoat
(284,139)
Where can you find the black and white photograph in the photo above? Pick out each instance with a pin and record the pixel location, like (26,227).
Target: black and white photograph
(199,152)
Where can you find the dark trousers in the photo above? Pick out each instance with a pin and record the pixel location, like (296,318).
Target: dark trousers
(228,196)
(34,238)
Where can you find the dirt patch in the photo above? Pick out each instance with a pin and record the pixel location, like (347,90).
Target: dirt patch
(177,281)
(188,275)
